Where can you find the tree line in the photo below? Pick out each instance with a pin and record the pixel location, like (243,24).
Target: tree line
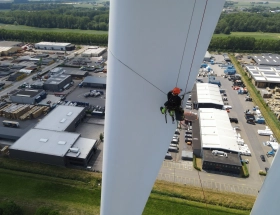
(56,16)
(36,36)
(234,44)
(248,22)
(244,44)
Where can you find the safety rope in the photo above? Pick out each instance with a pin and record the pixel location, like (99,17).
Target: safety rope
(196,45)
(185,45)
(186,90)
(136,72)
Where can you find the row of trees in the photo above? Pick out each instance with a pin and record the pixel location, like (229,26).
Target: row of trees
(237,44)
(60,17)
(249,22)
(35,36)
(244,44)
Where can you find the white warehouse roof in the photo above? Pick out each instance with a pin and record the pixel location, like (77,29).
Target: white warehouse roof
(208,93)
(216,131)
(264,73)
(59,118)
(52,44)
(46,142)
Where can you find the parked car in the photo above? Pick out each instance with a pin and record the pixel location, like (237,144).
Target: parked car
(177,131)
(266,169)
(248,99)
(262,158)
(233,120)
(227,107)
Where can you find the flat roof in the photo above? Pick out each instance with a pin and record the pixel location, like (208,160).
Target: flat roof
(207,55)
(208,93)
(52,44)
(84,145)
(56,79)
(216,131)
(94,50)
(231,159)
(59,118)
(4,49)
(268,74)
(95,80)
(267,59)
(46,142)
(28,92)
(9,43)
(78,72)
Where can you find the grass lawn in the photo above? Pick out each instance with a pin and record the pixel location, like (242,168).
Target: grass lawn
(257,35)
(27,28)
(31,191)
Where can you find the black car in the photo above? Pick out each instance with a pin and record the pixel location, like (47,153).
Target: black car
(248,99)
(233,120)
(262,158)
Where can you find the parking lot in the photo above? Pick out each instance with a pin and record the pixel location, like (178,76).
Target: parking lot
(78,95)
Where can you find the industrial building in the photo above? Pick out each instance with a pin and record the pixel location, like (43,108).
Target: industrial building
(14,77)
(93,81)
(57,82)
(206,95)
(93,51)
(76,74)
(37,85)
(215,141)
(207,56)
(53,147)
(264,76)
(26,96)
(55,46)
(62,118)
(56,71)
(267,59)
(9,47)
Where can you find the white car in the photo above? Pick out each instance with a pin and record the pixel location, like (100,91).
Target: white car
(188,107)
(227,107)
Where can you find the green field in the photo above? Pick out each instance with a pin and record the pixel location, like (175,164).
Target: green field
(27,28)
(257,35)
(31,191)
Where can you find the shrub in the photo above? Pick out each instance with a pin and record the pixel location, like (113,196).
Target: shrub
(245,170)
(10,208)
(101,137)
(261,172)
(195,164)
(46,211)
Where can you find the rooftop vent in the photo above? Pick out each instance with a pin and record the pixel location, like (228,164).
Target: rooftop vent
(69,114)
(75,150)
(63,120)
(43,140)
(61,142)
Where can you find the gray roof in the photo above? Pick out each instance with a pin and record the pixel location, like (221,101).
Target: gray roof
(95,80)
(266,59)
(28,92)
(57,79)
(46,142)
(78,72)
(9,43)
(264,73)
(84,145)
(231,159)
(60,118)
